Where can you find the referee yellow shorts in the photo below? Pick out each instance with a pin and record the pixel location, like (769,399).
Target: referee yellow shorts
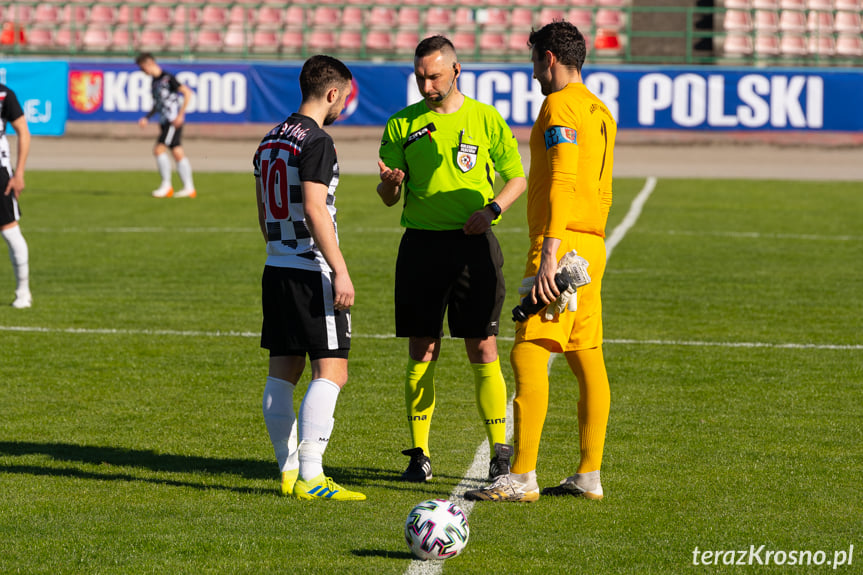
(569,331)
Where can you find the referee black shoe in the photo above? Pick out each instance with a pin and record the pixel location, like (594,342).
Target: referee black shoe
(419,469)
(500,462)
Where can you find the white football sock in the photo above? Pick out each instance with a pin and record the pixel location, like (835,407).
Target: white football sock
(184,168)
(316,424)
(20,256)
(163,162)
(281,421)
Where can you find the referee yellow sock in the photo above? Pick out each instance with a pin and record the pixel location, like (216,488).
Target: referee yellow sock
(530,364)
(593,405)
(490,390)
(419,401)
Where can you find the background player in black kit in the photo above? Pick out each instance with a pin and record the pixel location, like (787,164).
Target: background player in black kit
(170,99)
(306,290)
(12,182)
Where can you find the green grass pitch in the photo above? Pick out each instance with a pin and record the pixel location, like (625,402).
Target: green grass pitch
(132,441)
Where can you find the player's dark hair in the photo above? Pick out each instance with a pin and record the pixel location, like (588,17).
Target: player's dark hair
(143,57)
(433,44)
(320,73)
(562,39)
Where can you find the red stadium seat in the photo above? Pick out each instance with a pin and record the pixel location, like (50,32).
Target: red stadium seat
(40,38)
(522,18)
(821,45)
(45,14)
(130,14)
(737,21)
(493,18)
(406,41)
(97,38)
(610,19)
(737,45)
(738,4)
(547,15)
(849,45)
(767,45)
(464,41)
(516,43)
(793,45)
(463,18)
(152,39)
(409,17)
(792,21)
(379,41)
(350,40)
(792,4)
(158,15)
(492,43)
(214,15)
(75,13)
(820,22)
(848,22)
(580,18)
(291,42)
(295,17)
(102,14)
(352,17)
(437,16)
(264,42)
(269,16)
(209,40)
(322,40)
(122,40)
(766,21)
(607,42)
(850,5)
(325,17)
(68,39)
(382,17)
(234,39)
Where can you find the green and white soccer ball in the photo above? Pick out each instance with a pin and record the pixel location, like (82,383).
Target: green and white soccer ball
(436,529)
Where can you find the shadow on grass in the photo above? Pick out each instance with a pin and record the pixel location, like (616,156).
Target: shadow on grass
(115,464)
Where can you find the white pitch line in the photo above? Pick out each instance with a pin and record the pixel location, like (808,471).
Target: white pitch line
(255,334)
(631,216)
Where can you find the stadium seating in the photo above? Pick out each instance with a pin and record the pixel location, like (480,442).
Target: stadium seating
(821,31)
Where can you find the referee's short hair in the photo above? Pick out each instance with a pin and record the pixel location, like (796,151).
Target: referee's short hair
(434,44)
(320,73)
(562,39)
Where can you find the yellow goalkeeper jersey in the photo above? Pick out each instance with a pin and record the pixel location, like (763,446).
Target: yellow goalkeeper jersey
(571,160)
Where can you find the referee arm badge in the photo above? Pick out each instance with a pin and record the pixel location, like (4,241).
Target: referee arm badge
(559,135)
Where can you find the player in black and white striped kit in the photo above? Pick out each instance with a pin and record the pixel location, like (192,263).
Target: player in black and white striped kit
(12,182)
(170,99)
(306,289)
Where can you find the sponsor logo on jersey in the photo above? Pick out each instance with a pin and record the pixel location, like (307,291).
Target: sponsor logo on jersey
(466,158)
(424,131)
(85,90)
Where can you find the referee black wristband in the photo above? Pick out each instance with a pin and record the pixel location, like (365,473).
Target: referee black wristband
(495,208)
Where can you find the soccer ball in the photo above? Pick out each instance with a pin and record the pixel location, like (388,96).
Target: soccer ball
(436,529)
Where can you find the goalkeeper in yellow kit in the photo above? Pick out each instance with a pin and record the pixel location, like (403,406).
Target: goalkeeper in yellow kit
(569,196)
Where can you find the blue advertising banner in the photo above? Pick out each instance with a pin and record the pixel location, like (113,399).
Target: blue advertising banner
(693,98)
(378,91)
(41,90)
(105,91)
(667,98)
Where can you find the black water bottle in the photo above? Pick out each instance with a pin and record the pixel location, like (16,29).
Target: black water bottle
(527,308)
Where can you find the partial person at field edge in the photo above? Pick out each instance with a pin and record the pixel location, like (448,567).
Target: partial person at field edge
(569,197)
(306,290)
(170,100)
(12,183)
(439,156)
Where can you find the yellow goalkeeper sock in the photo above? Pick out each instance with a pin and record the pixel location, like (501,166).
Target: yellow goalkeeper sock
(530,364)
(593,405)
(419,401)
(490,389)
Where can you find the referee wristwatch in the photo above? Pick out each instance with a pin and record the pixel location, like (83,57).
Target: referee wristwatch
(495,208)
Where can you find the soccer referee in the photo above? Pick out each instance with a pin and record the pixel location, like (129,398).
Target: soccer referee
(439,156)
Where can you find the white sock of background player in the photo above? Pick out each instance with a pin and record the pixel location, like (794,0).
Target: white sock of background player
(316,424)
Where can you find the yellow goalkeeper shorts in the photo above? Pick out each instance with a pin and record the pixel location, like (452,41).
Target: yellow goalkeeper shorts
(569,331)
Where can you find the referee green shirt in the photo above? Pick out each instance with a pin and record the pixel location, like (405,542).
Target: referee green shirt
(449,161)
